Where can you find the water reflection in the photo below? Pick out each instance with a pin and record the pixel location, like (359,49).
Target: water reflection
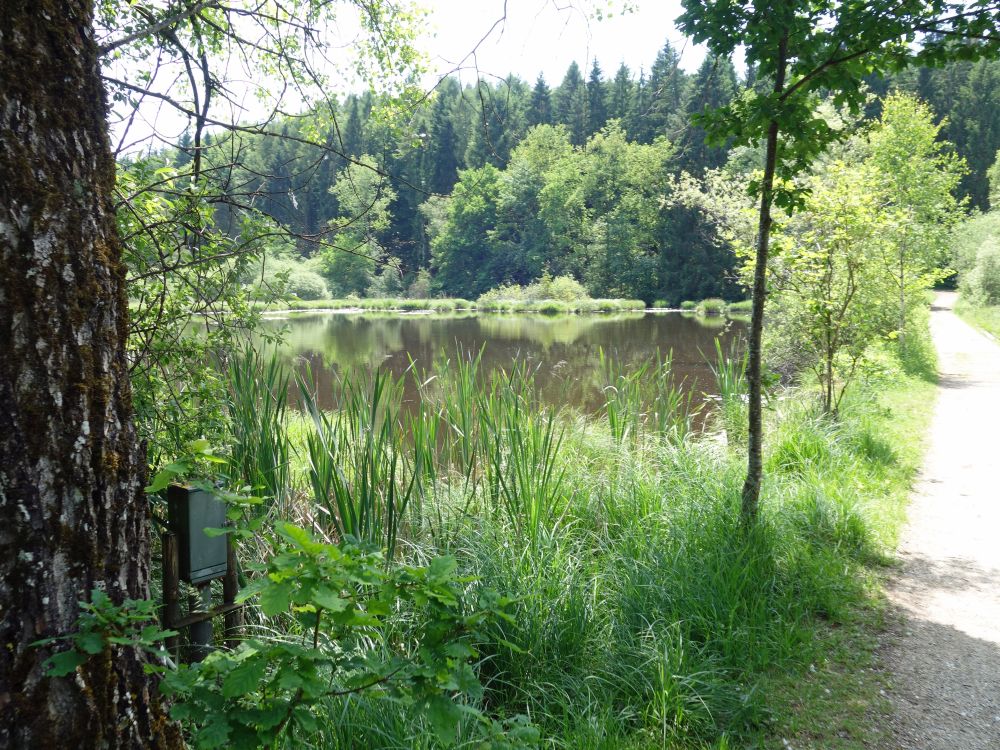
(563,350)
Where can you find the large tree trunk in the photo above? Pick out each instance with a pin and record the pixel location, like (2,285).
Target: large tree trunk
(74,515)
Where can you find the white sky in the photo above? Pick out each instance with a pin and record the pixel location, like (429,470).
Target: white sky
(463,36)
(545,36)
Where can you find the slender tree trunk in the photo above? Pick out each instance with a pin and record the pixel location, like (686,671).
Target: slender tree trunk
(902,299)
(755,433)
(74,515)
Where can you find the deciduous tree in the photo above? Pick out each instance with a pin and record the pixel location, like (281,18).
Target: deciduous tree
(800,48)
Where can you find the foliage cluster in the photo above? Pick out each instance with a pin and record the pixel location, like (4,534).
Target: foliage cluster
(615,537)
(272,692)
(854,264)
(609,212)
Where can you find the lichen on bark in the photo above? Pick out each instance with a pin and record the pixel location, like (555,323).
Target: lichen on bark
(71,470)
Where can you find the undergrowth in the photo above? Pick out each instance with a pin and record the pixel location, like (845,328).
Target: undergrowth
(643,614)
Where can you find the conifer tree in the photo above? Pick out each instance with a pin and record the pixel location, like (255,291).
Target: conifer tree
(714,86)
(667,93)
(620,95)
(570,105)
(597,108)
(540,108)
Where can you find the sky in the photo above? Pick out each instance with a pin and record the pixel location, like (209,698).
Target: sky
(490,37)
(545,36)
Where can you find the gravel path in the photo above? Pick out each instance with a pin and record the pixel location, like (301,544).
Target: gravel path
(945,657)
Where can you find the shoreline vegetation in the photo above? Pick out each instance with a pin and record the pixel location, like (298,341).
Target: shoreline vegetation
(709,307)
(641,615)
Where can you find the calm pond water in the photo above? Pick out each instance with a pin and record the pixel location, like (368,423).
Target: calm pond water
(563,350)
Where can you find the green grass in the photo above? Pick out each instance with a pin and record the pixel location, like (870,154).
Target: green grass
(643,616)
(386,304)
(547,306)
(985,318)
(544,306)
(711,306)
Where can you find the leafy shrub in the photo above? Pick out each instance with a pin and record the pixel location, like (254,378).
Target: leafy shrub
(420,287)
(340,596)
(661,303)
(567,289)
(306,284)
(503,292)
(982,283)
(744,307)
(688,305)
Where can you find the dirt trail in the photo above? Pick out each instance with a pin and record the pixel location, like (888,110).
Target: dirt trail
(945,658)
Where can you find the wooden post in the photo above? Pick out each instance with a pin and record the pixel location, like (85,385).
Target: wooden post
(230,587)
(171,589)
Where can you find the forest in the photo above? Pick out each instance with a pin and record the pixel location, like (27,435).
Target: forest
(499,182)
(493,490)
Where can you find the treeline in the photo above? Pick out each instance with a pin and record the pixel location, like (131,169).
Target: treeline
(498,181)
(611,213)
(471,137)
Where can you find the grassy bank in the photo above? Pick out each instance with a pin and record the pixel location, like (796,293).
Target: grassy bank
(644,617)
(543,306)
(983,317)
(378,304)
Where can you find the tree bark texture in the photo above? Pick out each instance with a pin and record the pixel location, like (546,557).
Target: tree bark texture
(74,517)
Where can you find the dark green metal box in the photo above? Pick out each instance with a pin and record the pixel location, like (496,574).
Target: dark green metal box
(190,511)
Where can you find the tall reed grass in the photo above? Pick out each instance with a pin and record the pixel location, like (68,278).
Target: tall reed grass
(643,615)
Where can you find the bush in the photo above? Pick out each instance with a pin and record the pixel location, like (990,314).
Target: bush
(552,307)
(420,287)
(567,289)
(711,306)
(306,284)
(504,292)
(982,283)
(688,305)
(661,303)
(743,307)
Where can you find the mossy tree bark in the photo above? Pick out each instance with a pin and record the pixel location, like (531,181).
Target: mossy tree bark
(71,471)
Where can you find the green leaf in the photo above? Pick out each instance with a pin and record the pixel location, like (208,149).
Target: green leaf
(245,679)
(443,716)
(64,663)
(160,481)
(328,599)
(202,445)
(90,642)
(275,598)
(214,734)
(441,568)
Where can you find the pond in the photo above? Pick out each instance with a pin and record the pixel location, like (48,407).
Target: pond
(562,351)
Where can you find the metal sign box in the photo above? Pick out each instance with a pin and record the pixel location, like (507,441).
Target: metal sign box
(190,511)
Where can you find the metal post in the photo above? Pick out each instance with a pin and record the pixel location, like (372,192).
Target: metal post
(201,632)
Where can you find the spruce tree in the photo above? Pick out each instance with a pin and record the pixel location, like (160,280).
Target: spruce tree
(570,105)
(667,92)
(620,96)
(540,108)
(440,154)
(714,86)
(597,108)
